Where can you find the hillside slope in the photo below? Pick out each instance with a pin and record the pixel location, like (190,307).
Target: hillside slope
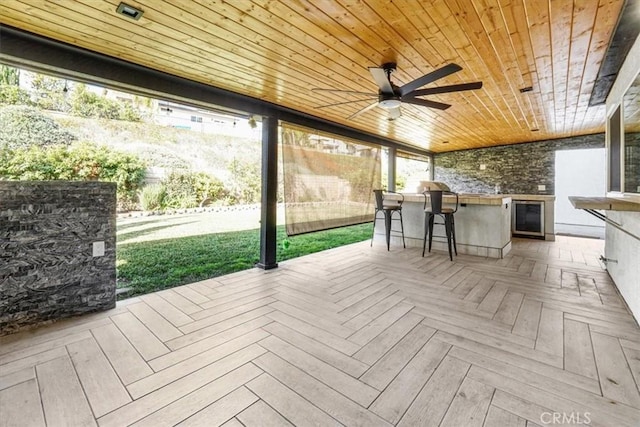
(167,147)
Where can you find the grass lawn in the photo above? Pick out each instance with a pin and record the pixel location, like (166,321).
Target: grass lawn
(159,264)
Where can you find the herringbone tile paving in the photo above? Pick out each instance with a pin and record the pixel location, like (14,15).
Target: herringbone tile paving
(354,336)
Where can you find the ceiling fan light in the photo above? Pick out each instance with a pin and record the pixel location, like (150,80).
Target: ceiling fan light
(390,103)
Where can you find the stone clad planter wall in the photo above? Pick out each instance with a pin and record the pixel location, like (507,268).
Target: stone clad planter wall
(47,235)
(511,169)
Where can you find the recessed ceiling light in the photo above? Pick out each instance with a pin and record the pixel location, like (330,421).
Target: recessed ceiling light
(445,142)
(129,11)
(526,89)
(535,130)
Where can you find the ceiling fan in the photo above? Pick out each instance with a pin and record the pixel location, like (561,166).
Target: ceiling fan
(391,96)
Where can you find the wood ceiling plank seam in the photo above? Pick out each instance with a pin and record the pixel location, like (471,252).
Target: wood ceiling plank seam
(495,27)
(608,12)
(262,94)
(57,36)
(525,66)
(305,71)
(519,21)
(537,15)
(457,14)
(424,24)
(281,79)
(440,12)
(299,44)
(581,39)
(404,25)
(472,24)
(226,48)
(561,14)
(440,122)
(326,31)
(115,53)
(335,29)
(470,51)
(404,51)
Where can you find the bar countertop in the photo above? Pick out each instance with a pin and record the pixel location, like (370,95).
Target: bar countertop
(604,203)
(466,198)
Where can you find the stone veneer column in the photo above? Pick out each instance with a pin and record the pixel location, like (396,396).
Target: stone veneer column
(47,267)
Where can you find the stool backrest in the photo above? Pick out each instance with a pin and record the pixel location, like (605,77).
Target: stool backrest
(379,199)
(435,198)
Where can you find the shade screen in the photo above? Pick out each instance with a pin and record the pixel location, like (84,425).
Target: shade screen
(328,180)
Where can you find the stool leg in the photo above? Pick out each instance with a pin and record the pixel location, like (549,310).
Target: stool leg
(387,226)
(402,229)
(431,220)
(447,227)
(426,232)
(453,233)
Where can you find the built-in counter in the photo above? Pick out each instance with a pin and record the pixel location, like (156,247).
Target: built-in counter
(483,224)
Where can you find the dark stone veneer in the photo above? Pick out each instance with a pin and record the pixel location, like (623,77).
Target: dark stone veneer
(514,169)
(47,268)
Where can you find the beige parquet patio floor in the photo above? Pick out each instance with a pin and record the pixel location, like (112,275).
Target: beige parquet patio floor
(351,336)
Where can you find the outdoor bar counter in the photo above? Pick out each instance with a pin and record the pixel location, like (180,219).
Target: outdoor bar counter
(483,224)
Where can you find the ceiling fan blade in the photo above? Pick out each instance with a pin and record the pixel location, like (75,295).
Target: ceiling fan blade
(428,78)
(381,78)
(426,103)
(394,113)
(353,92)
(365,109)
(445,89)
(342,103)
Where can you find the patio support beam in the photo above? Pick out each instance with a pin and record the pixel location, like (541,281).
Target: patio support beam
(268,214)
(391,169)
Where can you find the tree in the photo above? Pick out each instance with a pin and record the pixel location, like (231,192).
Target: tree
(88,104)
(9,76)
(50,92)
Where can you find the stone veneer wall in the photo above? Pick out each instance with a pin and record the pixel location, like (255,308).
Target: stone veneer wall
(515,169)
(47,268)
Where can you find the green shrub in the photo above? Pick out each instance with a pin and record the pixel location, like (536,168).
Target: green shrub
(246,182)
(186,189)
(152,197)
(78,162)
(208,189)
(22,126)
(180,190)
(12,95)
(89,104)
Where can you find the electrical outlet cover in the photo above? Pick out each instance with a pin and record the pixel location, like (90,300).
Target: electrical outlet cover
(98,249)
(483,167)
(542,187)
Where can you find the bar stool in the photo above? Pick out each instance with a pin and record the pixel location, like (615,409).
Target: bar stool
(388,208)
(447,214)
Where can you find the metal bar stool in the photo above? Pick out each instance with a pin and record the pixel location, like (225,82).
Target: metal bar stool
(447,214)
(388,208)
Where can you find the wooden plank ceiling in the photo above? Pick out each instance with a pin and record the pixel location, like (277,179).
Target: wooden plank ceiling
(280,50)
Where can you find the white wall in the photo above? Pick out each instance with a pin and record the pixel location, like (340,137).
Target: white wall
(618,245)
(625,250)
(578,173)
